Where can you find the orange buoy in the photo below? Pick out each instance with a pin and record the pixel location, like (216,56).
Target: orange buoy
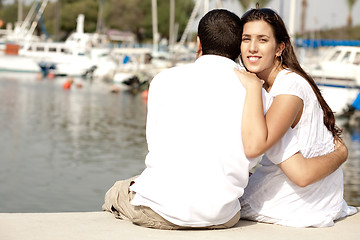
(68,83)
(145,94)
(51,75)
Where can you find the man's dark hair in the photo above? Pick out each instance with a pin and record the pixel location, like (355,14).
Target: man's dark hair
(220,33)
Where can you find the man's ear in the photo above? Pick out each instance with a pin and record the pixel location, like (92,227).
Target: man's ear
(198,47)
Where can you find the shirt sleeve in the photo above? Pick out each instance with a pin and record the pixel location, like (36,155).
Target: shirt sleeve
(286,147)
(289,84)
(267,100)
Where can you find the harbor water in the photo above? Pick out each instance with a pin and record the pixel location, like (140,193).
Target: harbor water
(60,150)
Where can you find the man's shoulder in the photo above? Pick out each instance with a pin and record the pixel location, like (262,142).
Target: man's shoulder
(180,68)
(175,71)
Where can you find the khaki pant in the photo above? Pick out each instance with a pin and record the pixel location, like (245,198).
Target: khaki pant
(117,201)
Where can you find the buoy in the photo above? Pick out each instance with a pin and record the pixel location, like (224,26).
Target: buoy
(114,89)
(68,83)
(39,76)
(50,75)
(145,94)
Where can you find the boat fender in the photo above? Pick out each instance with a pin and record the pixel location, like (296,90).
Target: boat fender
(68,83)
(145,94)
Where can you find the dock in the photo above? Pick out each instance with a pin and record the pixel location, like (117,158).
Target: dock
(103,225)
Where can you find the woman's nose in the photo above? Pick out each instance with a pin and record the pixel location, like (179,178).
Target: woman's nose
(253,46)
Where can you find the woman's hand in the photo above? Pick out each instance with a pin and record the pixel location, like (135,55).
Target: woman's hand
(341,148)
(248,79)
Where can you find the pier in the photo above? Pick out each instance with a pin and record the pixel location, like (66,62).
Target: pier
(103,225)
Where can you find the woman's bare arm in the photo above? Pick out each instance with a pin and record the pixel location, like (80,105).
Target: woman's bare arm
(260,132)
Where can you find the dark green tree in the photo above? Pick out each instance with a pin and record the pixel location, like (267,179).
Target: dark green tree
(136,16)
(70,10)
(262,3)
(126,15)
(9,13)
(245,4)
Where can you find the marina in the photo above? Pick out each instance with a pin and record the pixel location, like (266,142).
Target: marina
(60,150)
(73,116)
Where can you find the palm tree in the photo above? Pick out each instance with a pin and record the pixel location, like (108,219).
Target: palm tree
(262,3)
(245,4)
(350,4)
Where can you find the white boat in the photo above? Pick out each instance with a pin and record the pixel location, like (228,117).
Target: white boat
(82,53)
(75,57)
(338,76)
(65,59)
(136,67)
(340,63)
(20,64)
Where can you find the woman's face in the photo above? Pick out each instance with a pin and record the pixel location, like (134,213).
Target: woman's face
(259,49)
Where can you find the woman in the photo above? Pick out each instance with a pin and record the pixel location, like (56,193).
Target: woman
(271,196)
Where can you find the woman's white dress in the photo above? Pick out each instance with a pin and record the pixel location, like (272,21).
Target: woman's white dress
(271,197)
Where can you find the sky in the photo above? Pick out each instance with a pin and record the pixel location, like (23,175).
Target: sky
(321,14)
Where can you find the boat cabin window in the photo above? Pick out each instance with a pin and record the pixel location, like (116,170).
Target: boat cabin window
(40,49)
(346,57)
(335,56)
(357,58)
(52,49)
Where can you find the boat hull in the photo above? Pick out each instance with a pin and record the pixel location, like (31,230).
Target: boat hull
(339,94)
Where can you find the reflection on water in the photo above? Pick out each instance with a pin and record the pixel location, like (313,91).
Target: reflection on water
(352,168)
(61,150)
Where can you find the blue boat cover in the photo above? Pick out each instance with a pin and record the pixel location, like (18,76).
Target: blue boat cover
(356,103)
(315,43)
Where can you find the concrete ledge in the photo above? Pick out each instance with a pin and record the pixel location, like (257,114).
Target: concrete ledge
(102,225)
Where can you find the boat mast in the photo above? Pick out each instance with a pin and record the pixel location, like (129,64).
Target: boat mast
(26,29)
(293,4)
(190,22)
(20,11)
(37,18)
(99,25)
(171,24)
(155,26)
(193,16)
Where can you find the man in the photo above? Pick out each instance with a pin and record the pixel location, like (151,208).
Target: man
(196,168)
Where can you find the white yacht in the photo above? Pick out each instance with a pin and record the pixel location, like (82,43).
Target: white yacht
(337,74)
